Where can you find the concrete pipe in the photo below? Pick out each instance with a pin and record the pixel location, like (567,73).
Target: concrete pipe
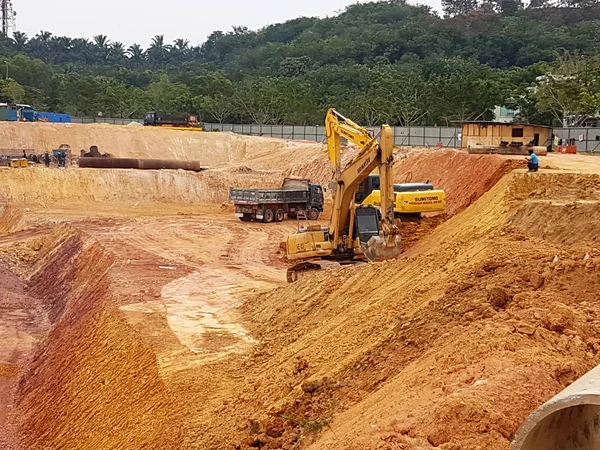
(570,421)
(143,164)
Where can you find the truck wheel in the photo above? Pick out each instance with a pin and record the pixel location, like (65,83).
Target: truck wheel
(279,215)
(268,216)
(246,218)
(313,214)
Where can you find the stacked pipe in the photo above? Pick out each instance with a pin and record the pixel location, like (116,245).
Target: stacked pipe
(143,164)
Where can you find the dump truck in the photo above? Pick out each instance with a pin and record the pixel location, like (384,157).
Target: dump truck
(160,119)
(296,198)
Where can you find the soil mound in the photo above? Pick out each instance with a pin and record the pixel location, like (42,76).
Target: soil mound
(211,149)
(39,186)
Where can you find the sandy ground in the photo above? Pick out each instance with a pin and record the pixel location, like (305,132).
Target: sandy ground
(139,313)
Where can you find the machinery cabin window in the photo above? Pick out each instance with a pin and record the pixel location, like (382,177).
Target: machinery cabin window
(517,132)
(366,223)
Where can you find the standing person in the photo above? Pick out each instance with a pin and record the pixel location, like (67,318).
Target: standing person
(46,159)
(533,163)
(61,159)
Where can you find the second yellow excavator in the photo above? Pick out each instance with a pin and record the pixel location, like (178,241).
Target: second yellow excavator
(356,233)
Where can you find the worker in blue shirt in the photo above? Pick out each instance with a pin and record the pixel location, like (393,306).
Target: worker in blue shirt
(533,163)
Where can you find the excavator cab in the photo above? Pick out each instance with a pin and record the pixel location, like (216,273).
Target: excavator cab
(366,223)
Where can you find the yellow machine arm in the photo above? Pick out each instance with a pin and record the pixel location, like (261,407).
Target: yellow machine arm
(337,126)
(373,155)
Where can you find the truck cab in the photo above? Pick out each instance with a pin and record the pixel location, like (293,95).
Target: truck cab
(150,119)
(316,197)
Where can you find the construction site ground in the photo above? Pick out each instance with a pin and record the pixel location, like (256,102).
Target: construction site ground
(138,312)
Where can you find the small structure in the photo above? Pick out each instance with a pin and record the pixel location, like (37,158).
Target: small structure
(504,114)
(505,138)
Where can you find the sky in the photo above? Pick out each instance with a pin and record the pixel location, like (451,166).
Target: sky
(137,21)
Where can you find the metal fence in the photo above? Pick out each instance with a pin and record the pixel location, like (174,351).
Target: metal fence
(109,121)
(586,139)
(407,136)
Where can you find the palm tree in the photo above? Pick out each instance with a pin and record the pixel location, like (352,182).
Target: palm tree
(39,45)
(181,45)
(59,46)
(81,50)
(158,50)
(101,41)
(179,50)
(43,36)
(116,52)
(137,55)
(20,41)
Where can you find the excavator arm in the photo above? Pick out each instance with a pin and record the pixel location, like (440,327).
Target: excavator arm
(373,155)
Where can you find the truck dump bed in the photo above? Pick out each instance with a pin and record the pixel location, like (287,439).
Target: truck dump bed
(292,191)
(276,195)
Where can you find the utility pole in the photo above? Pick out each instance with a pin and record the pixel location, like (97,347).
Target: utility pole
(4,18)
(7,17)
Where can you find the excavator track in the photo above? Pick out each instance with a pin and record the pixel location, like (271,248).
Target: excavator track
(298,271)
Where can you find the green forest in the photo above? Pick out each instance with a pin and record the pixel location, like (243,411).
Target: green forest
(376,62)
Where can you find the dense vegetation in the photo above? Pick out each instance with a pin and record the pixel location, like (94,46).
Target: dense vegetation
(382,61)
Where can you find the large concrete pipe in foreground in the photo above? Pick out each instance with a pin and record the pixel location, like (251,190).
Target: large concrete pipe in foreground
(570,421)
(145,164)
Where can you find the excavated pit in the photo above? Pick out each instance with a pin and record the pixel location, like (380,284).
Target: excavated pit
(160,321)
(91,380)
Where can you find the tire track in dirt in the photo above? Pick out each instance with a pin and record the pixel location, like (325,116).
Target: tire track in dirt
(201,307)
(208,265)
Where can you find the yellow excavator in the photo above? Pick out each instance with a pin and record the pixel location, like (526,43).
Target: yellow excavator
(356,233)
(411,199)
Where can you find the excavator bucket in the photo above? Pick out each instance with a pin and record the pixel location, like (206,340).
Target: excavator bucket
(379,248)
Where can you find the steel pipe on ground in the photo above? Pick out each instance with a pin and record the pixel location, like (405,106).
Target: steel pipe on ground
(143,164)
(569,421)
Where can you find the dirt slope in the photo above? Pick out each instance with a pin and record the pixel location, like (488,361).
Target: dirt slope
(93,382)
(464,177)
(212,149)
(450,347)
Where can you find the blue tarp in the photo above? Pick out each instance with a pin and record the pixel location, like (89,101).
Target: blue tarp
(55,117)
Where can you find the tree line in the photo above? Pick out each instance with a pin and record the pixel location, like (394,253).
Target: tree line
(377,62)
